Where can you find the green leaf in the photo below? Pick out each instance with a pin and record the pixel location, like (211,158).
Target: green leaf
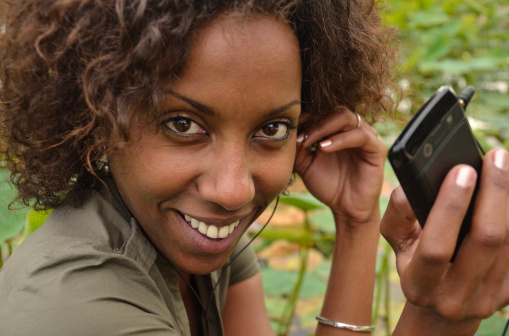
(303,201)
(430,18)
(11,221)
(492,326)
(34,220)
(323,220)
(293,235)
(283,282)
(458,67)
(497,121)
(497,100)
(278,282)
(439,48)
(312,286)
(384,202)
(275,305)
(322,271)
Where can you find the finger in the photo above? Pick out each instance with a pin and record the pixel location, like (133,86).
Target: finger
(361,123)
(439,235)
(342,121)
(356,138)
(399,225)
(487,235)
(493,293)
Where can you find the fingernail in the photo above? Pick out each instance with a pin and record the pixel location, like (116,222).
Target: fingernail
(300,138)
(501,159)
(465,177)
(325,143)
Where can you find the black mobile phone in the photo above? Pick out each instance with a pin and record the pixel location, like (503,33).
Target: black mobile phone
(435,140)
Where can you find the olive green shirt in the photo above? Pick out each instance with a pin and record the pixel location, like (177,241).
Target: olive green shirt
(92,271)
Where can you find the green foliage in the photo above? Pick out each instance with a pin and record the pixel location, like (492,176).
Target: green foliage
(16,224)
(492,326)
(11,221)
(303,201)
(282,282)
(456,43)
(34,220)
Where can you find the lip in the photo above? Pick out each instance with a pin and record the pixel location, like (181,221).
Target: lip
(208,245)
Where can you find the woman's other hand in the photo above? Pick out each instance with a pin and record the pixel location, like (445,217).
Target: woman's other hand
(346,173)
(346,170)
(477,283)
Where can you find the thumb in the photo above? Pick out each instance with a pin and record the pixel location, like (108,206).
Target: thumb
(399,225)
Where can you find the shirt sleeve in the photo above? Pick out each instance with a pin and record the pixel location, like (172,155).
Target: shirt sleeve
(245,265)
(85,296)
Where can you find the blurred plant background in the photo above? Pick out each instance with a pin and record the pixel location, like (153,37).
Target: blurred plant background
(443,42)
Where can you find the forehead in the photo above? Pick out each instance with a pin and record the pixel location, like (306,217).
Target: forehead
(237,53)
(235,40)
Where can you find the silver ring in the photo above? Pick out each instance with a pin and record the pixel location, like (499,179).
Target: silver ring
(358,119)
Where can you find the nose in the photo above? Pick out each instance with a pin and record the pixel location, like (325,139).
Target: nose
(228,179)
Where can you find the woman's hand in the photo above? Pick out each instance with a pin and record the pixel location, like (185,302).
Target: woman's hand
(346,173)
(477,283)
(346,170)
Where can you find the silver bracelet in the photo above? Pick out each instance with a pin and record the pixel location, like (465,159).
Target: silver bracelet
(352,327)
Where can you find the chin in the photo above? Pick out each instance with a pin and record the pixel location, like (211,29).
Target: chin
(205,266)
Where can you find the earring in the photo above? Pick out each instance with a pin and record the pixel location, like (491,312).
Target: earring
(103,165)
(286,192)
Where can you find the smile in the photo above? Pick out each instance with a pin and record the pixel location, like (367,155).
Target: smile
(210,230)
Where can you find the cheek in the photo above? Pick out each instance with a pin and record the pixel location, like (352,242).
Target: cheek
(275,173)
(148,176)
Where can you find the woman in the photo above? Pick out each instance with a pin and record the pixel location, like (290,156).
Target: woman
(159,131)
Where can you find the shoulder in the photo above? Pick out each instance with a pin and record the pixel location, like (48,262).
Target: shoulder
(83,293)
(78,276)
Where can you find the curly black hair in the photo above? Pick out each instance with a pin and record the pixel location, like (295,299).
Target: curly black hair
(75,72)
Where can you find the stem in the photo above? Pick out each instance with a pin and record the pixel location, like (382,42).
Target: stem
(382,281)
(1,255)
(387,301)
(10,249)
(387,290)
(289,310)
(474,5)
(378,293)
(292,300)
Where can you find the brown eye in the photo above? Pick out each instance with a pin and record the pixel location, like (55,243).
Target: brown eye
(273,131)
(184,126)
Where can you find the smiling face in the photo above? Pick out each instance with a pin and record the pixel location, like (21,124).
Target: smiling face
(224,147)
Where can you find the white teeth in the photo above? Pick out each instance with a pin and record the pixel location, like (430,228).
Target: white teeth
(194,223)
(211,231)
(232,226)
(223,232)
(203,228)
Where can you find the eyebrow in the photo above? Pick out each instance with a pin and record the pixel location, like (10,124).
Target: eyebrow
(283,108)
(204,109)
(200,107)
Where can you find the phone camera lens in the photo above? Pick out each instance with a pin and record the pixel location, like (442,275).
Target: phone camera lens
(428,150)
(449,120)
